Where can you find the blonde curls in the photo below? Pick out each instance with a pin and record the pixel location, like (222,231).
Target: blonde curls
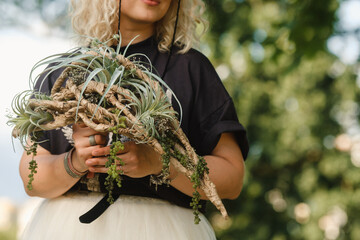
(99,19)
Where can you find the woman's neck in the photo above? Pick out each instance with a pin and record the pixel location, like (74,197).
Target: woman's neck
(131,30)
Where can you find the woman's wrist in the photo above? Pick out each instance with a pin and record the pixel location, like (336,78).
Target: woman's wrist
(70,168)
(156,163)
(164,177)
(76,163)
(173,173)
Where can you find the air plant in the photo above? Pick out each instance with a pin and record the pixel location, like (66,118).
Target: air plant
(110,93)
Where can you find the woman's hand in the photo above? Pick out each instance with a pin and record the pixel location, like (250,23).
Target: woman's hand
(52,179)
(139,160)
(83,149)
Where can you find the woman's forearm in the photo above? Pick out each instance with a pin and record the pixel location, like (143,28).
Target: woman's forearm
(226,167)
(228,181)
(226,170)
(51,179)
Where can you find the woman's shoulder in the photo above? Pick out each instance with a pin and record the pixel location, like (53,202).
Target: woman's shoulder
(195,58)
(196,65)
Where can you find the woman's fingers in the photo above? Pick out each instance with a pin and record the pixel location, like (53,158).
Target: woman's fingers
(99,162)
(86,140)
(93,162)
(97,140)
(104,151)
(139,160)
(85,131)
(105,170)
(98,165)
(89,141)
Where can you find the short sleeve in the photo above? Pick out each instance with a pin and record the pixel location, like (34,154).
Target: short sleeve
(213,111)
(220,121)
(53,140)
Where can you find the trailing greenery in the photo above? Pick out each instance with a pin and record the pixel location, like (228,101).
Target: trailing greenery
(112,165)
(201,169)
(31,150)
(168,142)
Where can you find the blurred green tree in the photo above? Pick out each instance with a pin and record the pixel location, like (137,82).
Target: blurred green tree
(296,99)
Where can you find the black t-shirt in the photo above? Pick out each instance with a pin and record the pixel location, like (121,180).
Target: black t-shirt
(208,111)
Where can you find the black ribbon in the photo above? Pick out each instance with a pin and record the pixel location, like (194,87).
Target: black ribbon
(137,187)
(98,209)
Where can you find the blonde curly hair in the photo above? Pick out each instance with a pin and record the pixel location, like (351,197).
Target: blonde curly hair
(99,19)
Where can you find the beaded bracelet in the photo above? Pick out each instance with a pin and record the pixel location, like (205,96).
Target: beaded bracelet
(70,168)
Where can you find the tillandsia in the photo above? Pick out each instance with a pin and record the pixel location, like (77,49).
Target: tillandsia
(110,93)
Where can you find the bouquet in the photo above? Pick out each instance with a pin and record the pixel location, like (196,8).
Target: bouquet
(110,93)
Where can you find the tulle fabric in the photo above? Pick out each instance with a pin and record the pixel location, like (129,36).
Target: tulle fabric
(129,218)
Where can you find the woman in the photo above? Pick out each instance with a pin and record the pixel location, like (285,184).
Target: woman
(143,211)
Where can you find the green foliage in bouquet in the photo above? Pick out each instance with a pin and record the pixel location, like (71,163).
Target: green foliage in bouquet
(109,93)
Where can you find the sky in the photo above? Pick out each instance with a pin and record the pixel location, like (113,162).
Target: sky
(21,49)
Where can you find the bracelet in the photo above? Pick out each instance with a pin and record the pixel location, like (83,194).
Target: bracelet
(70,168)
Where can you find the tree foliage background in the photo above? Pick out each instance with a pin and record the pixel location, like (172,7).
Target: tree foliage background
(298,102)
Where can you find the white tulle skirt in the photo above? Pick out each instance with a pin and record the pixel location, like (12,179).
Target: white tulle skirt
(129,218)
